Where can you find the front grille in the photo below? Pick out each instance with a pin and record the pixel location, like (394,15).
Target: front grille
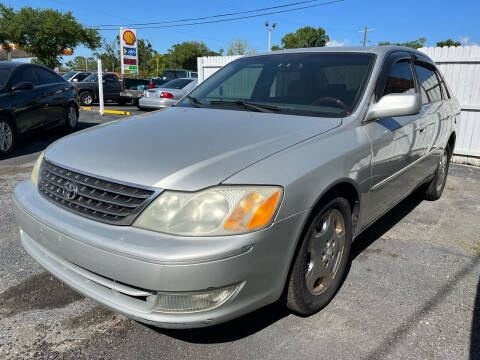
(92,197)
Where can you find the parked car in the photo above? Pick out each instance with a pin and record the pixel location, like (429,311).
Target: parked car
(33,97)
(76,76)
(249,191)
(133,88)
(88,89)
(171,74)
(166,95)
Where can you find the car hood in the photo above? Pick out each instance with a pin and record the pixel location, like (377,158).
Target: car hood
(183,148)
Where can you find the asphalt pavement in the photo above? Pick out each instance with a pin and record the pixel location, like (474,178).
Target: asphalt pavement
(412,292)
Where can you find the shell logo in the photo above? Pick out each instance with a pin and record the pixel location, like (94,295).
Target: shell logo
(129,37)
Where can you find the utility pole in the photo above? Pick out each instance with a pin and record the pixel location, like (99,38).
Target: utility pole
(86,63)
(157,66)
(365,31)
(270,29)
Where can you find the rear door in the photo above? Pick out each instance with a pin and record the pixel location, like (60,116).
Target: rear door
(53,91)
(395,146)
(26,104)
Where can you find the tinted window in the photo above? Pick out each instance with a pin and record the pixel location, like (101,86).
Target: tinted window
(429,86)
(4,73)
(68,75)
(82,76)
(400,79)
(177,84)
(24,74)
(46,76)
(109,78)
(445,93)
(318,84)
(91,78)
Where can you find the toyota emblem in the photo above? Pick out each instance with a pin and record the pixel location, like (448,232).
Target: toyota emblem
(70,190)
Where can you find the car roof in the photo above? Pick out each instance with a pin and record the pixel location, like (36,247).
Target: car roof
(11,64)
(378,50)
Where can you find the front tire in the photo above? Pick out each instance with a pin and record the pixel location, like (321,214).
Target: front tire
(434,189)
(71,118)
(7,136)
(322,260)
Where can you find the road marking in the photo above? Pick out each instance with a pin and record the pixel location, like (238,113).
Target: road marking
(118,112)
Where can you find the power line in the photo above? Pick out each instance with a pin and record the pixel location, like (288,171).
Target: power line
(140,26)
(214,16)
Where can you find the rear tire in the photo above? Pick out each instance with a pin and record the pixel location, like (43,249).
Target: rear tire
(122,102)
(434,188)
(7,136)
(86,98)
(322,260)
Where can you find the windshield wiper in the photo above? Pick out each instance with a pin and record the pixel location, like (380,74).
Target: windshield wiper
(247,105)
(195,101)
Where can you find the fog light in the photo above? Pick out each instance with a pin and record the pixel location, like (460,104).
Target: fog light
(193,301)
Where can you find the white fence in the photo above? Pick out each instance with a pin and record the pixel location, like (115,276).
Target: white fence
(461,68)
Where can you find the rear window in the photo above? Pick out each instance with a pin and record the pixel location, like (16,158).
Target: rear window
(47,77)
(177,84)
(429,85)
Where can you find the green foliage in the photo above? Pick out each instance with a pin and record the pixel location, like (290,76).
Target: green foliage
(449,42)
(414,44)
(276,47)
(145,55)
(184,55)
(109,53)
(305,37)
(44,33)
(159,59)
(239,47)
(78,63)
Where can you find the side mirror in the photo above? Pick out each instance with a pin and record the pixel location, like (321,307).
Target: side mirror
(75,80)
(395,105)
(24,85)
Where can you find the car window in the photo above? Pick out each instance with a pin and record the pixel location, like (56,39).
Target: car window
(194,75)
(4,74)
(445,93)
(68,75)
(24,74)
(429,86)
(177,84)
(46,76)
(109,78)
(400,79)
(91,78)
(311,84)
(82,76)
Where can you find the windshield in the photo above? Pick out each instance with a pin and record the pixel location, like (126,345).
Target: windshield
(91,78)
(68,75)
(4,73)
(318,84)
(177,84)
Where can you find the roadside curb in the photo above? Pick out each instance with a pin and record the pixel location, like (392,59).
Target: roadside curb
(118,112)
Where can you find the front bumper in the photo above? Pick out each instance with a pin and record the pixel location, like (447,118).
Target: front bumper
(109,263)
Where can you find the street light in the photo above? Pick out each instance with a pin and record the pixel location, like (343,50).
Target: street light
(270,29)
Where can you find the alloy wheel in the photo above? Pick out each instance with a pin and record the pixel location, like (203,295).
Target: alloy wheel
(325,249)
(6,136)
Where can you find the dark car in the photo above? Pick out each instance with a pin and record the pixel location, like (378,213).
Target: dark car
(31,97)
(112,89)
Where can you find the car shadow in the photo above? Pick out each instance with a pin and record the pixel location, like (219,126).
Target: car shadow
(258,320)
(40,139)
(475,334)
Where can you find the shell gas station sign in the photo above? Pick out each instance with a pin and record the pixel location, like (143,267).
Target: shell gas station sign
(129,51)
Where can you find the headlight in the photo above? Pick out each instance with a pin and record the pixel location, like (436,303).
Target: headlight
(36,170)
(222,210)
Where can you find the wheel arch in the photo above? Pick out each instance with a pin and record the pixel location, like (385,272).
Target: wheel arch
(451,142)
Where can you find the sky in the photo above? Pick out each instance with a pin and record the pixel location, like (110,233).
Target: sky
(390,20)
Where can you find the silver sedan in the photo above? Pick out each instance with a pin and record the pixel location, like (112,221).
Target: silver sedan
(249,191)
(166,95)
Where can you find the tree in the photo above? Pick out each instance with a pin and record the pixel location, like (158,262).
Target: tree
(239,47)
(145,55)
(185,55)
(109,53)
(78,63)
(276,47)
(414,44)
(45,33)
(305,37)
(449,42)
